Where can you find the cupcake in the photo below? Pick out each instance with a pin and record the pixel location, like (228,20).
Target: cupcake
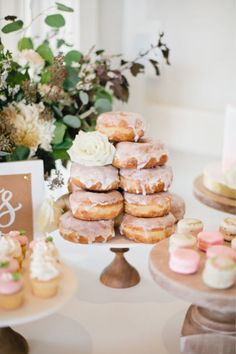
(11,291)
(228,228)
(11,248)
(8,265)
(45,246)
(21,237)
(44,275)
(219,272)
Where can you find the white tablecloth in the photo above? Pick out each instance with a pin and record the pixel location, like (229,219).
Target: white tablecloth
(144,319)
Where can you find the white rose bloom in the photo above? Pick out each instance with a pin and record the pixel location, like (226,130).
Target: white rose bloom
(91,149)
(28,57)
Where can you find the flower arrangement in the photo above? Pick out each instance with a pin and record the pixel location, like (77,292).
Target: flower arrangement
(46,96)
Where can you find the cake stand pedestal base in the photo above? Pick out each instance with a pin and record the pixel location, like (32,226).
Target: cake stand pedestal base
(206,331)
(120,274)
(12,342)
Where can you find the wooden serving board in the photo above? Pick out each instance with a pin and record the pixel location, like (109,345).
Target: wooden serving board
(189,287)
(213,200)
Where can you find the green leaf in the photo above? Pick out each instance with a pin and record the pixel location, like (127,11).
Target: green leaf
(56,20)
(20,153)
(84,98)
(25,43)
(71,80)
(49,239)
(4,264)
(4,153)
(13,26)
(155,65)
(72,56)
(72,121)
(45,52)
(57,111)
(15,77)
(59,133)
(102,93)
(60,155)
(65,145)
(62,7)
(46,77)
(103,105)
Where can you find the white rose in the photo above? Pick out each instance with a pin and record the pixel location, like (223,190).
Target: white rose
(91,149)
(28,57)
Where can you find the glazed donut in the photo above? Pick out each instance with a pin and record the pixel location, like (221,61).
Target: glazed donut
(98,178)
(177,207)
(72,187)
(147,206)
(146,181)
(147,230)
(121,126)
(144,154)
(95,206)
(81,231)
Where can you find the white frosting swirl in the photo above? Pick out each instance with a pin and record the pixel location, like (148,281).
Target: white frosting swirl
(43,268)
(92,149)
(43,248)
(10,247)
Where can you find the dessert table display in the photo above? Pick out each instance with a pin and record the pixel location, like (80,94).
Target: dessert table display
(209,324)
(33,309)
(118,184)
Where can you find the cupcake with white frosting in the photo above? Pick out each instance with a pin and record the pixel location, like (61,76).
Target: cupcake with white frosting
(10,247)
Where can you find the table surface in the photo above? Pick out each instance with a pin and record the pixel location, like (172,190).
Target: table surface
(101,320)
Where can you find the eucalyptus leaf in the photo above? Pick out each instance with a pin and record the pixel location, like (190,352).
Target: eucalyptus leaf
(72,121)
(84,97)
(71,79)
(20,153)
(102,105)
(56,20)
(13,26)
(102,93)
(136,68)
(60,155)
(45,77)
(72,56)
(45,52)
(25,43)
(63,7)
(59,133)
(65,145)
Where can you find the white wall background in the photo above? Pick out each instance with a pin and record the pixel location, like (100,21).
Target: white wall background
(184,106)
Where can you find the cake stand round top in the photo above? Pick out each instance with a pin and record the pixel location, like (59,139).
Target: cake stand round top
(189,287)
(213,200)
(35,308)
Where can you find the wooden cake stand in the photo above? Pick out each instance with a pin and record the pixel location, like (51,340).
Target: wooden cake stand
(211,199)
(33,309)
(210,323)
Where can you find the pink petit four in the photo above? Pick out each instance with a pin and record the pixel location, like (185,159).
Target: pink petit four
(221,251)
(210,238)
(184,261)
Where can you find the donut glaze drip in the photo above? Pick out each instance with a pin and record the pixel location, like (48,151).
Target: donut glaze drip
(148,224)
(142,151)
(88,229)
(126,119)
(140,199)
(149,176)
(106,175)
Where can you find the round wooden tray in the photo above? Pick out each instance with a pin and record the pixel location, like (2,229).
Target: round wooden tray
(211,199)
(189,287)
(34,307)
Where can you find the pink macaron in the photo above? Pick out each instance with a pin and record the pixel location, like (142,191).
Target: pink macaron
(209,238)
(184,261)
(220,250)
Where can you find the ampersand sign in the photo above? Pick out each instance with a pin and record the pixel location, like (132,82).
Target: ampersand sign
(16,203)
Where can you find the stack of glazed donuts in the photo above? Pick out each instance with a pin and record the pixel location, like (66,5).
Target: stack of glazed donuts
(137,168)
(150,211)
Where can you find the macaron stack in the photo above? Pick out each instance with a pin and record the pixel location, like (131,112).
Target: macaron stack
(185,249)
